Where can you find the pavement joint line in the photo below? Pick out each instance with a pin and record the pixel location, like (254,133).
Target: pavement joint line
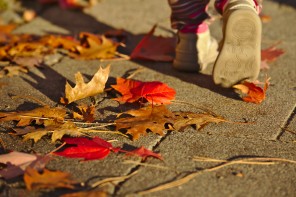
(286,124)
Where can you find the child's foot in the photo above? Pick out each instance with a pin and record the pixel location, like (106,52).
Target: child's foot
(194,51)
(240,55)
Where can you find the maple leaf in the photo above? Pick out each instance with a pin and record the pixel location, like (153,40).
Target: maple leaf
(48,179)
(86,113)
(153,118)
(254,93)
(144,153)
(83,90)
(154,92)
(43,115)
(95,148)
(57,131)
(94,47)
(184,119)
(155,48)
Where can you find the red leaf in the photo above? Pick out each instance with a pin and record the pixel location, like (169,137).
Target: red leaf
(144,153)
(155,48)
(254,93)
(154,92)
(96,148)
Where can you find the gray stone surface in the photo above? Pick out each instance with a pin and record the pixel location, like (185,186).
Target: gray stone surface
(267,137)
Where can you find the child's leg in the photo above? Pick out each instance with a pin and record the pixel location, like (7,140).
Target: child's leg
(195,48)
(240,54)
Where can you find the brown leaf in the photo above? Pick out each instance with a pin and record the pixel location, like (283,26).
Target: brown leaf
(28,61)
(94,47)
(43,115)
(185,119)
(83,90)
(57,131)
(151,118)
(87,113)
(11,71)
(48,179)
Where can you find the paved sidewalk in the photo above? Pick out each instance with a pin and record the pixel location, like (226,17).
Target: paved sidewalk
(267,137)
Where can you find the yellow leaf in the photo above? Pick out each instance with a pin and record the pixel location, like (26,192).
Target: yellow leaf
(83,90)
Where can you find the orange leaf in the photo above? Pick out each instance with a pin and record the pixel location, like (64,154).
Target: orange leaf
(254,93)
(48,179)
(154,92)
(155,48)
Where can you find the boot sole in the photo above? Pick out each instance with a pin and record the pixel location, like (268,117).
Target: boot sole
(240,55)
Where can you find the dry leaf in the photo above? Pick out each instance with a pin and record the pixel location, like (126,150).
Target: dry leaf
(43,115)
(48,179)
(153,118)
(254,93)
(11,71)
(86,113)
(83,90)
(154,92)
(185,119)
(94,47)
(57,131)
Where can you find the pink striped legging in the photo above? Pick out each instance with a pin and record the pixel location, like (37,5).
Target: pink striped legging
(188,15)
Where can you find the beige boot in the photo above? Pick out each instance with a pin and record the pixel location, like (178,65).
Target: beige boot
(240,55)
(195,51)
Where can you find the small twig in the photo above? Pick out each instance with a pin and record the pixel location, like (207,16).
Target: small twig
(113,179)
(135,72)
(123,55)
(146,165)
(56,149)
(190,176)
(100,126)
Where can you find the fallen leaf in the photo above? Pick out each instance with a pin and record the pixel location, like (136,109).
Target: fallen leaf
(48,179)
(185,119)
(155,48)
(87,149)
(153,118)
(144,153)
(86,113)
(154,92)
(17,162)
(28,61)
(83,90)
(43,115)
(11,71)
(29,15)
(94,47)
(255,94)
(57,131)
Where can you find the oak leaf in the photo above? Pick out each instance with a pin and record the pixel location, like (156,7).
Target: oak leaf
(254,94)
(94,47)
(151,118)
(86,113)
(42,115)
(154,92)
(155,48)
(83,90)
(48,179)
(57,131)
(185,119)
